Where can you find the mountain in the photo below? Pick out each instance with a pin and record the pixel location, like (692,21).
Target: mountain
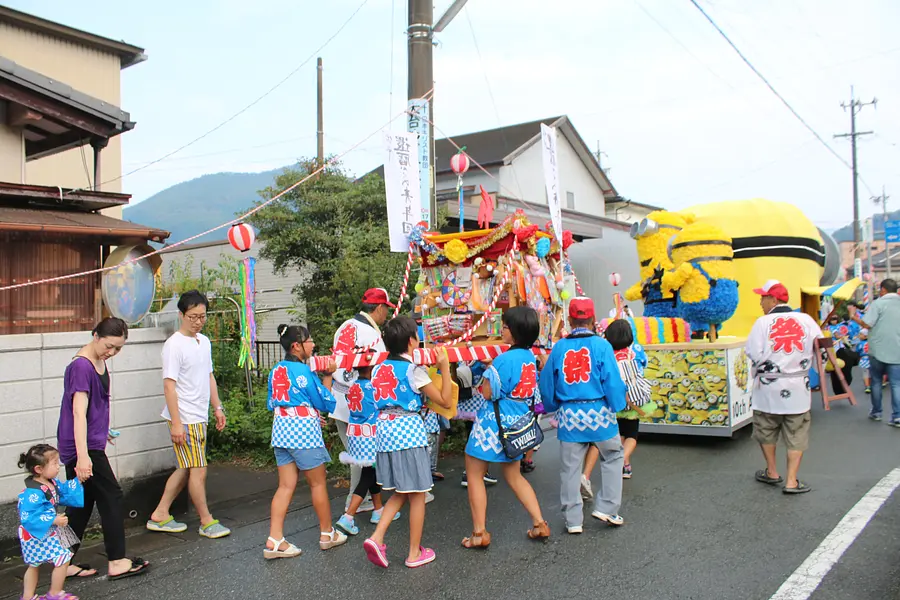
(845,234)
(194,206)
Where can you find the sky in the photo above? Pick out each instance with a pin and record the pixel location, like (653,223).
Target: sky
(680,119)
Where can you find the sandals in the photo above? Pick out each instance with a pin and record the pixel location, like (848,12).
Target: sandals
(801,488)
(480,540)
(82,572)
(376,553)
(426,555)
(539,532)
(139,566)
(335,538)
(762,476)
(290,552)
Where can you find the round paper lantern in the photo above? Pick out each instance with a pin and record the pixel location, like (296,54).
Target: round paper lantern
(459,163)
(615,279)
(867,277)
(241,237)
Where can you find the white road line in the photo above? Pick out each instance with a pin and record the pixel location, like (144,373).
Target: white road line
(804,581)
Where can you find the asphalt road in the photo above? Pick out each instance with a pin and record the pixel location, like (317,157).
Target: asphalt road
(697,526)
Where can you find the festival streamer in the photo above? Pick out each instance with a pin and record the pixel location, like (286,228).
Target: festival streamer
(247,269)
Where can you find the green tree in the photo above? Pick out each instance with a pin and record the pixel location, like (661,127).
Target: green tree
(334,229)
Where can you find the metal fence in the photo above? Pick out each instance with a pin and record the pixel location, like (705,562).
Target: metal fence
(267,354)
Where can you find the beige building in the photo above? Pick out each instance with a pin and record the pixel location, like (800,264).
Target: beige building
(59,96)
(74,64)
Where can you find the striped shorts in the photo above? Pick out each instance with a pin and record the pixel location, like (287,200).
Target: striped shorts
(191,454)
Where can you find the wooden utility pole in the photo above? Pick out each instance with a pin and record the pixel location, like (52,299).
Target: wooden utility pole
(855,106)
(320,129)
(882,200)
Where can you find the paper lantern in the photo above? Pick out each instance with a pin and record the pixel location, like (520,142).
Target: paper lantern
(615,279)
(459,163)
(241,237)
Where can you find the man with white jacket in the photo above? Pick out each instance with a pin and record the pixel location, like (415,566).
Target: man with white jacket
(362,332)
(781,351)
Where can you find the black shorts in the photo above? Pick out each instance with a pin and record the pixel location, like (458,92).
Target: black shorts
(628,428)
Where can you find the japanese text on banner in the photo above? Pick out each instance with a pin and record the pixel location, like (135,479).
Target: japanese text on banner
(418,123)
(551,178)
(402,187)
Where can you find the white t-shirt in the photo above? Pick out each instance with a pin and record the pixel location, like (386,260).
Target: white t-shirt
(188,361)
(421,378)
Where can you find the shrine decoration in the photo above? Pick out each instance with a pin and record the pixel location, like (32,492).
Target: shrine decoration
(247,275)
(485,209)
(459,164)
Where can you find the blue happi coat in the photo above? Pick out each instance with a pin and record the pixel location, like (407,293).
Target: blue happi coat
(38,536)
(581,382)
(361,430)
(400,424)
(297,396)
(514,388)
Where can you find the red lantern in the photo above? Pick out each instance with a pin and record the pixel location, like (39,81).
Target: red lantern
(241,237)
(615,279)
(459,163)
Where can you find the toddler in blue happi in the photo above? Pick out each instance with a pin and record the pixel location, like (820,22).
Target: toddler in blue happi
(45,536)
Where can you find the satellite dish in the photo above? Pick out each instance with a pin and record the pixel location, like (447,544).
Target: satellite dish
(128,289)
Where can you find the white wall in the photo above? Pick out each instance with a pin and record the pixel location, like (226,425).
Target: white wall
(31,387)
(266,278)
(527,173)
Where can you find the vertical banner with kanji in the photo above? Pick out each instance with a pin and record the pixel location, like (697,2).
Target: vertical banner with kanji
(402,187)
(551,179)
(418,122)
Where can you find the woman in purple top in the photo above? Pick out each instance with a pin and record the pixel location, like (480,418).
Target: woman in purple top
(82,435)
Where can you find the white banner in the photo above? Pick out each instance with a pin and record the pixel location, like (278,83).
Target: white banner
(418,123)
(402,187)
(551,178)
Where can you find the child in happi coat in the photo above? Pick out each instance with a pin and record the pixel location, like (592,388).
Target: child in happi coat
(581,381)
(470,377)
(298,397)
(862,348)
(44,536)
(361,447)
(402,462)
(512,389)
(433,429)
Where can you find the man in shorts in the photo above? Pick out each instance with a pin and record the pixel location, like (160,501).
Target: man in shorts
(190,388)
(780,347)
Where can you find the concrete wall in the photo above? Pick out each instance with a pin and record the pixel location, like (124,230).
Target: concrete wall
(527,173)
(266,278)
(31,386)
(88,70)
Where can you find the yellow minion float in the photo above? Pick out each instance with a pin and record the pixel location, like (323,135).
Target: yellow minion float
(705,262)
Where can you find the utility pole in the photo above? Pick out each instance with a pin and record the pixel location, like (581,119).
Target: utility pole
(855,107)
(420,42)
(882,200)
(598,154)
(320,128)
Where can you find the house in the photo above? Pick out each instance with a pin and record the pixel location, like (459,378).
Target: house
(60,194)
(628,211)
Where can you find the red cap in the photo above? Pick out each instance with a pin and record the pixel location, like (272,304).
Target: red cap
(775,289)
(377,296)
(581,308)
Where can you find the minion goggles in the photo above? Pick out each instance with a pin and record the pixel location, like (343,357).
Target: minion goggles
(648,227)
(699,259)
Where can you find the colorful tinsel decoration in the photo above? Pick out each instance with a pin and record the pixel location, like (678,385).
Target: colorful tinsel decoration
(247,269)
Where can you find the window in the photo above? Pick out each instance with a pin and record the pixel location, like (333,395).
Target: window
(570,200)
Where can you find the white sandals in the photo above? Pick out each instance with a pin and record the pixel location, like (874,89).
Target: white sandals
(290,552)
(335,538)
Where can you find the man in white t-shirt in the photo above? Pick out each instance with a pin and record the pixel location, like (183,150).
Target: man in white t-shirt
(362,331)
(781,350)
(190,388)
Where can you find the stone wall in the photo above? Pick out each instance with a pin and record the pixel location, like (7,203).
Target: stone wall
(31,384)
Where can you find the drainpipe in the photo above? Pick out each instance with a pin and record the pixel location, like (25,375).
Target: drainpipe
(98,144)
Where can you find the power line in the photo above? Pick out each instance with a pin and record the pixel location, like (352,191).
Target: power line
(243,110)
(769,85)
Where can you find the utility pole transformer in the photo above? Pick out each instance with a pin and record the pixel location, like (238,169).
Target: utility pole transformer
(855,107)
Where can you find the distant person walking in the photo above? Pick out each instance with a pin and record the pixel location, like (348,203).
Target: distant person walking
(882,319)
(190,388)
(82,435)
(780,347)
(362,331)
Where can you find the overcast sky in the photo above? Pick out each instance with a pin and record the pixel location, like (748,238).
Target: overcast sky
(680,118)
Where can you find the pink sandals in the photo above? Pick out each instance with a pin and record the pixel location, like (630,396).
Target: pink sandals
(426,555)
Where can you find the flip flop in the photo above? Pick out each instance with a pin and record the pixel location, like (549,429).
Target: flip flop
(762,476)
(139,566)
(801,488)
(82,569)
